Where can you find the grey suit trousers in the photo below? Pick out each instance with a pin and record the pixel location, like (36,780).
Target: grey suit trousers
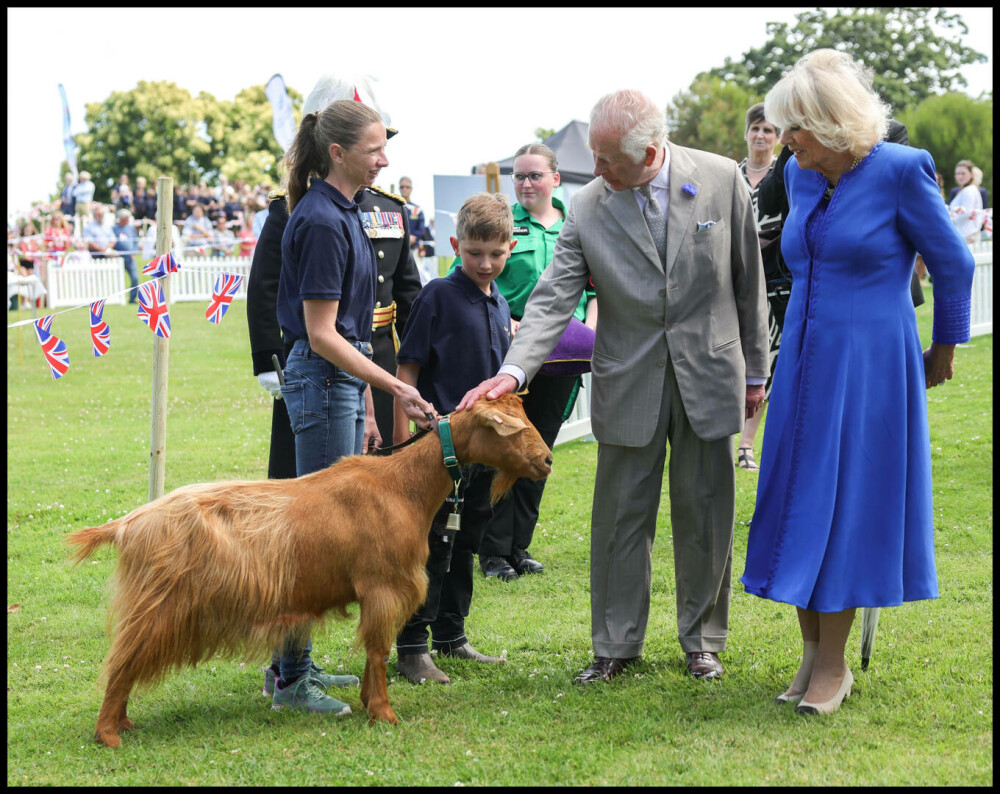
(702,481)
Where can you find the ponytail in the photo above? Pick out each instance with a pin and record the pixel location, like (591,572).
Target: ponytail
(303,159)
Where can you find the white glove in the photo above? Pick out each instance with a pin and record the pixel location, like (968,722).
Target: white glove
(269,381)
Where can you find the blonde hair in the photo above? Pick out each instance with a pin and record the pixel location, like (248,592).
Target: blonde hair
(635,117)
(830,94)
(977,175)
(485,217)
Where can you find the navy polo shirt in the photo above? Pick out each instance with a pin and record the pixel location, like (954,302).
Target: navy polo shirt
(458,337)
(326,255)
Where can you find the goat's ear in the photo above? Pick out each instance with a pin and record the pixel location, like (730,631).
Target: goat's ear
(502,423)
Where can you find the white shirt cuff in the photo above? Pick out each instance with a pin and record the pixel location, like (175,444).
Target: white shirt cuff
(754,381)
(515,372)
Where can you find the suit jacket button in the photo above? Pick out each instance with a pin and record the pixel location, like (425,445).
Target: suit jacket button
(378,304)
(381,279)
(375,208)
(381,254)
(663,292)
(661,363)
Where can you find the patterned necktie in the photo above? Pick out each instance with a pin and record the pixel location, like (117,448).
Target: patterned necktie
(655,220)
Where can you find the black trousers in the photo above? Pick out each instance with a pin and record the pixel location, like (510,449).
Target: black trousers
(383,354)
(450,566)
(547,401)
(281,458)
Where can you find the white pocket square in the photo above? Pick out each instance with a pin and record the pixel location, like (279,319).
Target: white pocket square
(706,225)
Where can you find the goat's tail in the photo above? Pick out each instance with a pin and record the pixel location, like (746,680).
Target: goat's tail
(90,538)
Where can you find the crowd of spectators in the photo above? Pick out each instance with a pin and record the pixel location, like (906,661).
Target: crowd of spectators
(218,220)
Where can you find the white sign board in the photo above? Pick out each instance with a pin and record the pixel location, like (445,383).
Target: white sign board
(450,192)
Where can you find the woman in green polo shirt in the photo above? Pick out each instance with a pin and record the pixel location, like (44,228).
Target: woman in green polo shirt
(538,218)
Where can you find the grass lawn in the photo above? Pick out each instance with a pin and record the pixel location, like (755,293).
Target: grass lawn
(78,454)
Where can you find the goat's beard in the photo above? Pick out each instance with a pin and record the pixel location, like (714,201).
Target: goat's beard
(502,483)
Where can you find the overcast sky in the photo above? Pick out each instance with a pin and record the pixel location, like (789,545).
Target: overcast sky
(462,86)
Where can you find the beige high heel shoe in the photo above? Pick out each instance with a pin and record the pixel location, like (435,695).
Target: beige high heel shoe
(798,688)
(833,703)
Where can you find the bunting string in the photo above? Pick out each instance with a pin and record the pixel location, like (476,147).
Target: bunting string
(152,311)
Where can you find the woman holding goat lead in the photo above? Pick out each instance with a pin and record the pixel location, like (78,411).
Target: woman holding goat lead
(326,296)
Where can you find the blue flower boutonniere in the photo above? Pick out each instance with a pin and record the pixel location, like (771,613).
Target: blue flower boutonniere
(690,189)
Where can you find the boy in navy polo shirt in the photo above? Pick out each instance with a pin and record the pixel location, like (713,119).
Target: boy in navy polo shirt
(456,336)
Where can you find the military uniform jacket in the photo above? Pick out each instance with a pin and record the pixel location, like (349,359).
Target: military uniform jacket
(398,278)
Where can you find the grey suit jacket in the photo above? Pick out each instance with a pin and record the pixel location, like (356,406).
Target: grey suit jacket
(707,312)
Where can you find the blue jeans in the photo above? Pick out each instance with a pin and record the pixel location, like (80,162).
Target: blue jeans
(326,407)
(133,277)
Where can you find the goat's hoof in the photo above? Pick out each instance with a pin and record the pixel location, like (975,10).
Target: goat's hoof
(107,738)
(384,716)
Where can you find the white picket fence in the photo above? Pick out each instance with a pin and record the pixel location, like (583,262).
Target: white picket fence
(83,280)
(982,288)
(197,275)
(577,426)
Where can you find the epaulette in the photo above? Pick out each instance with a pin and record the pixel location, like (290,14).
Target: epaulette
(277,194)
(387,194)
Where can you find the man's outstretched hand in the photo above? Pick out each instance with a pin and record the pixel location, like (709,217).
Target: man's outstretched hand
(495,387)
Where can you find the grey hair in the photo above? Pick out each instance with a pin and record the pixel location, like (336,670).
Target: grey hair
(633,115)
(830,94)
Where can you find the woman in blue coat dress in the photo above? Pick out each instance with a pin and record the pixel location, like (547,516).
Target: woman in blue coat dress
(843,516)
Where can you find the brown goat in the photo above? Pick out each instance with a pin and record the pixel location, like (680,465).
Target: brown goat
(237,566)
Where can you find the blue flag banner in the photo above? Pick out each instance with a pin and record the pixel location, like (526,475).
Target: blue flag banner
(281,109)
(67,136)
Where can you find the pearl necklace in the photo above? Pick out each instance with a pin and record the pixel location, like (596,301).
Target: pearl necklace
(758,170)
(828,194)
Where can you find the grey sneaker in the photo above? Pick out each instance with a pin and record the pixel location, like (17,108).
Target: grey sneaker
(304,695)
(324,680)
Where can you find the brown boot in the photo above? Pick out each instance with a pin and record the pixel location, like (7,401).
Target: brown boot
(418,667)
(466,651)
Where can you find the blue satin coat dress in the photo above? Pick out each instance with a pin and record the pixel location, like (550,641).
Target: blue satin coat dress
(843,515)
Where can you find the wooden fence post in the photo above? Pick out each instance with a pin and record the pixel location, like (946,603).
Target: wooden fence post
(492,178)
(161,346)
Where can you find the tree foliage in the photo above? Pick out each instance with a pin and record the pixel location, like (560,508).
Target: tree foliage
(159,129)
(541,133)
(954,127)
(711,116)
(915,52)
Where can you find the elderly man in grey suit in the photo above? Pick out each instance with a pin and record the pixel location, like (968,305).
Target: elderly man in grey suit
(667,235)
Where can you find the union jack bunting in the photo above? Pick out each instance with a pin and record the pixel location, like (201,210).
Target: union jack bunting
(100,333)
(53,348)
(153,309)
(225,289)
(163,264)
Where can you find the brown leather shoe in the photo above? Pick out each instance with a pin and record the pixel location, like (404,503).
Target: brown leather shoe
(603,669)
(704,664)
